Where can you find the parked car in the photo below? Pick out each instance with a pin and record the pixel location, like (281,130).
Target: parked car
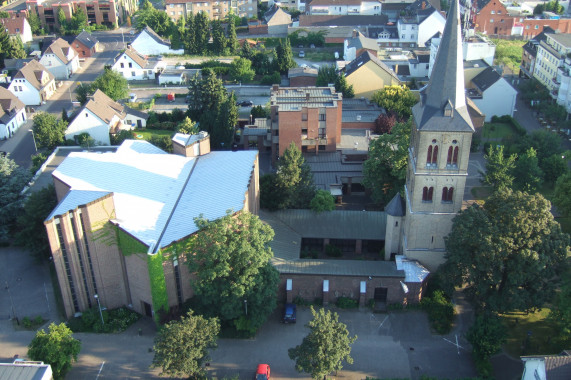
(187,99)
(171,97)
(302,54)
(245,103)
(263,372)
(289,313)
(132,97)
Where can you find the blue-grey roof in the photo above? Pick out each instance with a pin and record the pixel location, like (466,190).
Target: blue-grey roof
(396,206)
(74,199)
(25,371)
(87,39)
(486,79)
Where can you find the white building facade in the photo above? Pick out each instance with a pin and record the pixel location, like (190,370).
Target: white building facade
(150,43)
(345,7)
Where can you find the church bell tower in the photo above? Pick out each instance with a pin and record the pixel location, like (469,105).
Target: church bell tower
(438,153)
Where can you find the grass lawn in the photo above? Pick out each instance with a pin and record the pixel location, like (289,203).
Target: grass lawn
(519,325)
(319,56)
(147,133)
(496,131)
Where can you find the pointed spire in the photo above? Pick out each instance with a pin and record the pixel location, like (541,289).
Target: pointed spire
(447,79)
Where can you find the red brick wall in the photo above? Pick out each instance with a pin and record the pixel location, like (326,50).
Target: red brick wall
(358,125)
(302,81)
(483,19)
(82,50)
(530,31)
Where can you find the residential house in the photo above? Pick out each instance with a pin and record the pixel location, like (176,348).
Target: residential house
(277,20)
(548,367)
(101,116)
(476,48)
(60,59)
(302,76)
(33,84)
(345,7)
(357,44)
(109,13)
(492,94)
(121,214)
(551,55)
(310,117)
(367,74)
(18,26)
(529,53)
(150,43)
(215,9)
(420,22)
(134,66)
(12,114)
(419,64)
(491,17)
(85,44)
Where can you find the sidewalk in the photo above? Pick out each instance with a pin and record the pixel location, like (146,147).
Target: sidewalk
(12,143)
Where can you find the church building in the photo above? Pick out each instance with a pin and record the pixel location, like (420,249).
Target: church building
(438,158)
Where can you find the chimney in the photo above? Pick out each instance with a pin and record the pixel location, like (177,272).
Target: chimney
(423,4)
(355,33)
(191,145)
(275,87)
(307,96)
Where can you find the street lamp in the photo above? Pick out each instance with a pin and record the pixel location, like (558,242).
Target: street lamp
(99,305)
(34,140)
(246,306)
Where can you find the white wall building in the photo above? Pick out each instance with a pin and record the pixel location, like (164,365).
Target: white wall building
(60,59)
(12,114)
(418,30)
(150,43)
(473,49)
(493,95)
(133,66)
(18,26)
(33,84)
(345,7)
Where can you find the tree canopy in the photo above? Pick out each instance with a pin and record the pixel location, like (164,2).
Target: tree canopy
(506,252)
(241,70)
(230,257)
(284,57)
(112,83)
(57,347)
(326,346)
(49,132)
(156,19)
(13,179)
(182,347)
(322,201)
(385,169)
(499,168)
(562,194)
(328,75)
(397,99)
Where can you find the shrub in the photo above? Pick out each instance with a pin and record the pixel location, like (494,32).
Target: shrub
(475,145)
(333,251)
(298,300)
(270,79)
(486,335)
(27,322)
(116,320)
(440,311)
(346,303)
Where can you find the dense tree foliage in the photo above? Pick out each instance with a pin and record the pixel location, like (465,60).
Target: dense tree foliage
(57,347)
(156,19)
(562,194)
(385,123)
(527,174)
(182,347)
(326,346)
(230,257)
(284,57)
(328,75)
(397,99)
(13,179)
(49,132)
(499,168)
(508,53)
(385,169)
(506,252)
(112,83)
(241,70)
(322,201)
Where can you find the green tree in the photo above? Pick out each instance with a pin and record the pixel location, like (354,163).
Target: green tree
(158,20)
(328,75)
(246,51)
(34,22)
(562,194)
(83,92)
(189,35)
(112,83)
(385,169)
(123,135)
(499,168)
(64,116)
(284,57)
(49,132)
(232,40)
(241,70)
(57,347)
(397,99)
(294,179)
(13,179)
(205,95)
(345,88)
(326,346)
(486,335)
(218,39)
(506,253)
(561,315)
(31,229)
(526,173)
(187,126)
(554,167)
(322,201)
(62,21)
(15,48)
(259,112)
(85,140)
(230,257)
(222,133)
(78,22)
(182,347)
(201,32)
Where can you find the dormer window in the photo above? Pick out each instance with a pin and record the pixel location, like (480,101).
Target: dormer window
(448,109)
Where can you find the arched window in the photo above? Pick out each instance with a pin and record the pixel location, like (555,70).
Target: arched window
(429,155)
(455,156)
(450,154)
(432,155)
(447,194)
(435,155)
(427,194)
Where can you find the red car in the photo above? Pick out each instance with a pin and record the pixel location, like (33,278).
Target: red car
(263,372)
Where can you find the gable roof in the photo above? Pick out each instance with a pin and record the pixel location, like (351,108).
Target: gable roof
(137,113)
(104,107)
(35,73)
(158,195)
(278,13)
(486,79)
(136,57)
(14,23)
(362,42)
(557,367)
(10,105)
(158,39)
(61,48)
(362,59)
(87,39)
(340,20)
(480,4)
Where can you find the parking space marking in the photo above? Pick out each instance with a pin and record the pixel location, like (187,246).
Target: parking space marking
(100,369)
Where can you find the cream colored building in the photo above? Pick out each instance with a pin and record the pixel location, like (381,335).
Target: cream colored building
(551,54)
(368,74)
(438,159)
(216,10)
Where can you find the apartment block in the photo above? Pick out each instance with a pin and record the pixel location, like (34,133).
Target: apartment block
(551,55)
(310,117)
(109,12)
(216,10)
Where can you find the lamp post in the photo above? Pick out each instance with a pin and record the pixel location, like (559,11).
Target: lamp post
(246,306)
(99,305)
(34,140)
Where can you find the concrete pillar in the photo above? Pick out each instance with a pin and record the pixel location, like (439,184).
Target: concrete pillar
(325,243)
(349,183)
(289,291)
(362,293)
(358,246)
(325,292)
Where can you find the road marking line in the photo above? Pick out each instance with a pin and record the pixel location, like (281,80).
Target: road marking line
(455,344)
(100,368)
